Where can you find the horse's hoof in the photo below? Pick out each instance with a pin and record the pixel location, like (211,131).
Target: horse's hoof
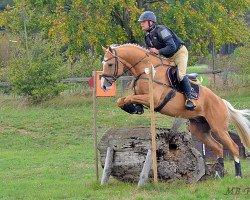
(238,177)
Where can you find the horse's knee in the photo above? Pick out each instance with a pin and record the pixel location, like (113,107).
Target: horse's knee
(120,102)
(127,100)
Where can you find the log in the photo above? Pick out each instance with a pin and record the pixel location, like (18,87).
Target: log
(177,159)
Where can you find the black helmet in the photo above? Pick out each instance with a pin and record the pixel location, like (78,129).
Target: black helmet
(147,15)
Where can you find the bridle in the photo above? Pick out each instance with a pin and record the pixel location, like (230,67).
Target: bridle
(115,76)
(118,59)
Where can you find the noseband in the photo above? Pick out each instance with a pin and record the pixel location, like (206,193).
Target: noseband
(118,59)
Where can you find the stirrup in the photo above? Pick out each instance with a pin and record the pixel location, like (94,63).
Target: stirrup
(188,106)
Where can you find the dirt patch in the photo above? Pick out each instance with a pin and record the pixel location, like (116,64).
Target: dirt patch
(2,129)
(20,131)
(25,132)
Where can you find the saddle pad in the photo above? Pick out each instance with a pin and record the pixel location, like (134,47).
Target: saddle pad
(173,80)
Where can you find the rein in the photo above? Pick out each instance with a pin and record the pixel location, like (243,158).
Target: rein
(118,59)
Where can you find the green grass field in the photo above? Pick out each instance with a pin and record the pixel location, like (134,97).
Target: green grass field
(47,152)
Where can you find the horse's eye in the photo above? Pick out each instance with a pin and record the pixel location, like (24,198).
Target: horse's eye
(110,65)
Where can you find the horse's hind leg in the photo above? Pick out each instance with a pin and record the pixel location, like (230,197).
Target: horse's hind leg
(225,138)
(219,126)
(201,130)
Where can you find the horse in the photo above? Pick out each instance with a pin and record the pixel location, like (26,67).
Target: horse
(212,113)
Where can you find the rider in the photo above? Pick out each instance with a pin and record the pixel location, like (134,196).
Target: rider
(162,40)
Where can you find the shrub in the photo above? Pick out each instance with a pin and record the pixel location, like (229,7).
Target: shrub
(37,73)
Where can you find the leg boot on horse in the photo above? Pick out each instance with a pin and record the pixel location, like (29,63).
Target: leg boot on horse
(185,84)
(133,108)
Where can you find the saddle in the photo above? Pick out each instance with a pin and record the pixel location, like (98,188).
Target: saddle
(173,79)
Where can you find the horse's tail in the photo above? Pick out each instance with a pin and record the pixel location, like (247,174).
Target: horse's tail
(242,124)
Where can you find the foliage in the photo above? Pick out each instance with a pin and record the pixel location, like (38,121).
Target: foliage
(4,50)
(204,23)
(82,24)
(8,49)
(241,60)
(4,3)
(85,65)
(37,73)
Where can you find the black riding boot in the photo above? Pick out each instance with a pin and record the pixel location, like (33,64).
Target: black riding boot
(185,84)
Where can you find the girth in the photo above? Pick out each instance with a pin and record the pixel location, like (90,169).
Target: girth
(168,97)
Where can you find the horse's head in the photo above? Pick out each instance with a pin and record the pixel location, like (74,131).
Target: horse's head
(112,68)
(129,56)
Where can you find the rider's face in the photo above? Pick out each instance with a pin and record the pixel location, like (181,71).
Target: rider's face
(145,25)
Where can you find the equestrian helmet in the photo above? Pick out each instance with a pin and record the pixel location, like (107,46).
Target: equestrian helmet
(147,15)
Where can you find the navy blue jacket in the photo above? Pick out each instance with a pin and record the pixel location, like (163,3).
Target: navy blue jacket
(163,39)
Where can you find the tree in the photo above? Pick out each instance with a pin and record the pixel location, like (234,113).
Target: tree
(82,25)
(198,23)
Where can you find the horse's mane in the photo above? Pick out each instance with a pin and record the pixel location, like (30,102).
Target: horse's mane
(128,45)
(116,46)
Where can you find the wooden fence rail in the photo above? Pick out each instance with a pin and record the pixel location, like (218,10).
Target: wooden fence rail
(75,80)
(122,79)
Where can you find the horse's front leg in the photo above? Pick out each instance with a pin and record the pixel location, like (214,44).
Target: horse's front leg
(137,99)
(133,103)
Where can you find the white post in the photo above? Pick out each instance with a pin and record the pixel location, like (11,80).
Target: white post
(108,166)
(146,168)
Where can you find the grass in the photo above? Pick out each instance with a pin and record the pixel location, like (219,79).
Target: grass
(47,152)
(202,77)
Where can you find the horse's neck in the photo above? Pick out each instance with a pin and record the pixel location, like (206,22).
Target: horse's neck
(135,60)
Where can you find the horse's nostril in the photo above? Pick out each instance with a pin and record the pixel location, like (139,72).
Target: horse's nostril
(104,87)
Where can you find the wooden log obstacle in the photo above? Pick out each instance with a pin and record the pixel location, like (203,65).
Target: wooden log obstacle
(128,148)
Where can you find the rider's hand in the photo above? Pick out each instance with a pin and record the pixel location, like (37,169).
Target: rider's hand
(154,50)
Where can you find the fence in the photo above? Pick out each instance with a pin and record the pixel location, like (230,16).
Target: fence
(122,82)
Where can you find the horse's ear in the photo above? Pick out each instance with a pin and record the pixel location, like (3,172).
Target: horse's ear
(110,49)
(104,49)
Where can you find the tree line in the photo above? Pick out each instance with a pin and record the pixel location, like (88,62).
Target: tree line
(78,28)
(81,25)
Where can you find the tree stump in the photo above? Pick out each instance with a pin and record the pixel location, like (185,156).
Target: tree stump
(177,159)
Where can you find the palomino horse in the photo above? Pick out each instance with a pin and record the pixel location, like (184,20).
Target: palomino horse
(211,113)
